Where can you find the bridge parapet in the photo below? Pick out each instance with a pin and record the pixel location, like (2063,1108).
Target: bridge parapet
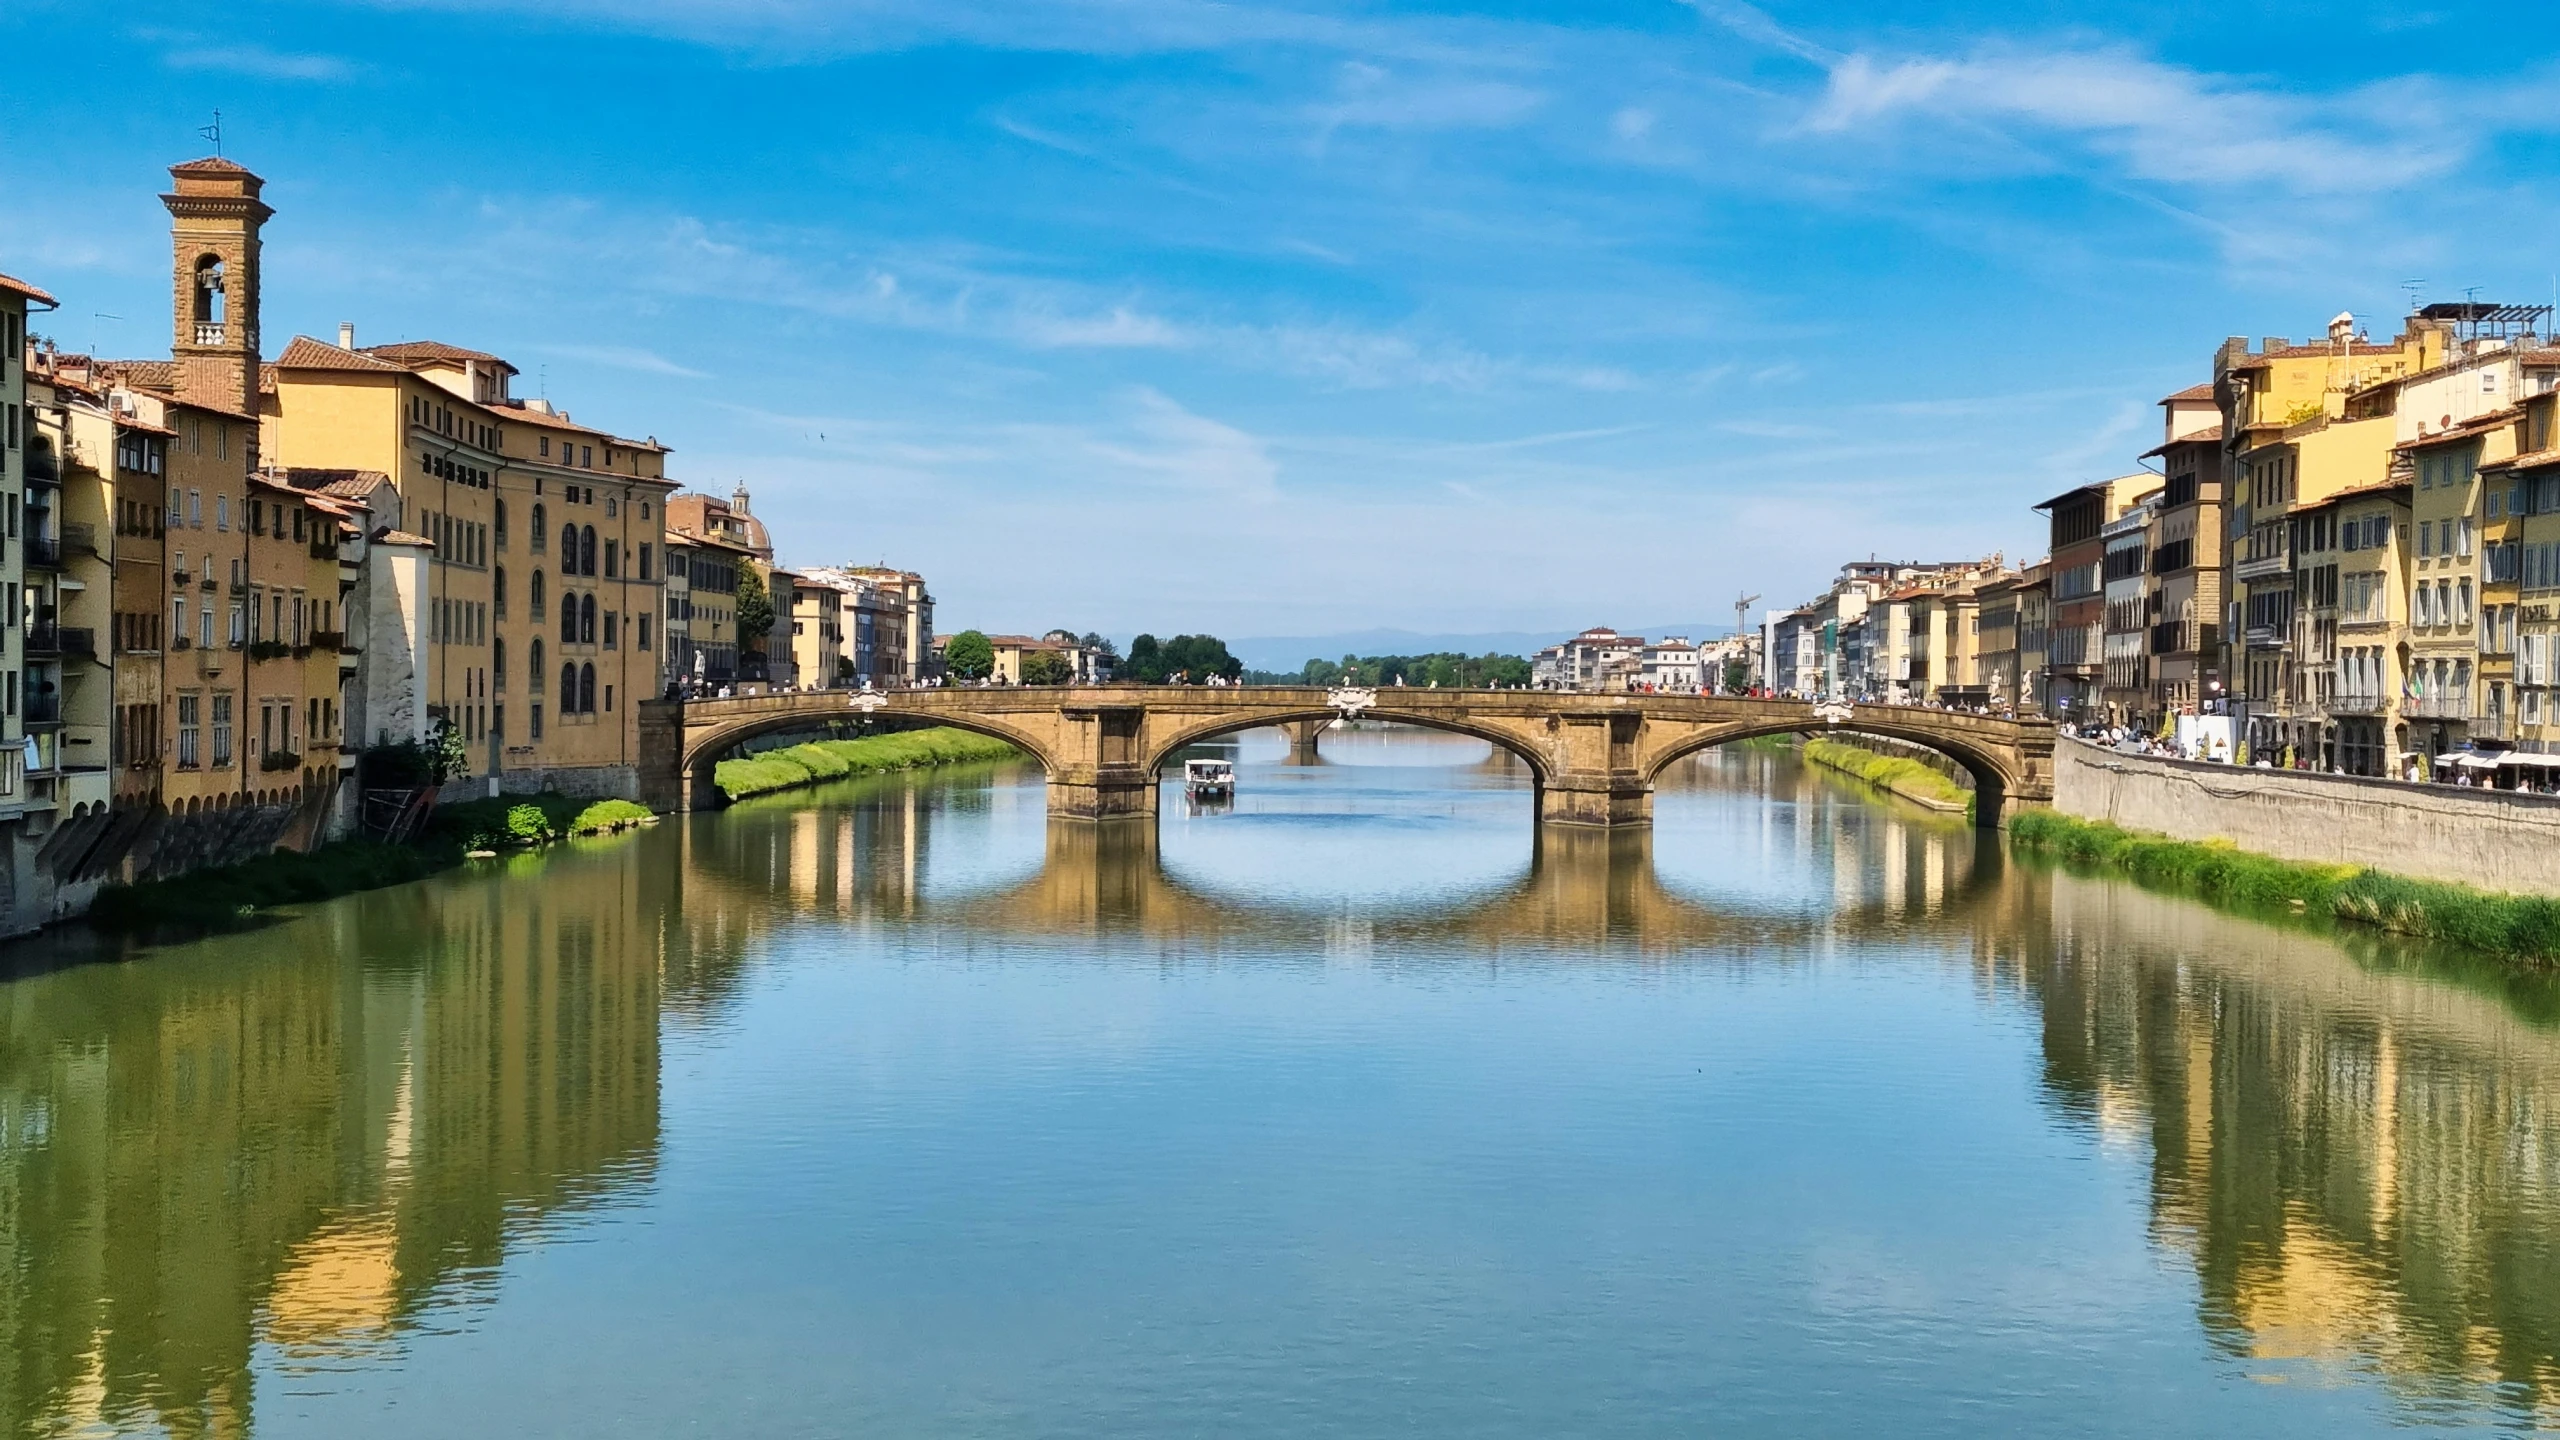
(1593,757)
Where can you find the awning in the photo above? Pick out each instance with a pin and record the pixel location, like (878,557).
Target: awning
(2472,761)
(2516,757)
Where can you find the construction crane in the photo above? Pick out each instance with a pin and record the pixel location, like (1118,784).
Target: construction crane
(1742,612)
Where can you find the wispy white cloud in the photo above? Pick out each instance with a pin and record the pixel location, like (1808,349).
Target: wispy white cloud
(260,62)
(2162,122)
(623,357)
(1373,97)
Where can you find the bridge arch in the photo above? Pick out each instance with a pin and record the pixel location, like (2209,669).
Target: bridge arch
(1165,747)
(705,748)
(1993,782)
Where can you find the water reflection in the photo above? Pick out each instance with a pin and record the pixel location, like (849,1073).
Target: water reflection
(305,1154)
(313,1138)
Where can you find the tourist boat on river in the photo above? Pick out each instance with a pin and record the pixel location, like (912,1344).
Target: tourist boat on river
(1203,778)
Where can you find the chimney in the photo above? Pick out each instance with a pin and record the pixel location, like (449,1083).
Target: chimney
(346,335)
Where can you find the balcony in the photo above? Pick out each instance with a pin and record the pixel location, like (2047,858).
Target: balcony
(2358,705)
(44,710)
(208,334)
(2168,637)
(181,579)
(2264,566)
(42,466)
(44,641)
(78,538)
(2438,707)
(44,552)
(80,640)
(2263,637)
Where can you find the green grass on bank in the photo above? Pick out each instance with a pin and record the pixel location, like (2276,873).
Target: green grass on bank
(1899,774)
(513,822)
(207,900)
(2523,927)
(204,901)
(835,759)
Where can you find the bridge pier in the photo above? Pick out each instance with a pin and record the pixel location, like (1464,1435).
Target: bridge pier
(1599,778)
(1098,771)
(1302,740)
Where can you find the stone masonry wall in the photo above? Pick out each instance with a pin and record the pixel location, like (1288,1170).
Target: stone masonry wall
(2494,839)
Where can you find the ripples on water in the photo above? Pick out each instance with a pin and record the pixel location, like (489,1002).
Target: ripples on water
(1356,1108)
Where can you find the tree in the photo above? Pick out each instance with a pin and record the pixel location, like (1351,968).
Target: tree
(755,609)
(1146,661)
(969,656)
(1192,659)
(1737,676)
(1046,667)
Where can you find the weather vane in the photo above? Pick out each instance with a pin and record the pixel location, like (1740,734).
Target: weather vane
(213,132)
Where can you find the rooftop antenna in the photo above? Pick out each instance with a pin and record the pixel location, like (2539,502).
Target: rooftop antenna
(1742,611)
(2413,289)
(213,132)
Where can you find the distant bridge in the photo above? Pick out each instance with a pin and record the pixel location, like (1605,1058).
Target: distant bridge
(1593,758)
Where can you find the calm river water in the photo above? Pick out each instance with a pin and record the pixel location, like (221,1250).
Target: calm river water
(1354,1110)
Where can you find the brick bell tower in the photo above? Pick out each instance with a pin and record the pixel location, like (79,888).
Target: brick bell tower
(214,217)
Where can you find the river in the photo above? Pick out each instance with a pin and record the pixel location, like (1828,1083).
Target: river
(1354,1109)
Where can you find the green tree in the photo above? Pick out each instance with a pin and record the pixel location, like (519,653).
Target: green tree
(969,656)
(1737,676)
(755,609)
(1194,658)
(1321,672)
(1046,667)
(1146,661)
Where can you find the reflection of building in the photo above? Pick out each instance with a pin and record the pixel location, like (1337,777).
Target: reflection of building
(289,1146)
(2358,1162)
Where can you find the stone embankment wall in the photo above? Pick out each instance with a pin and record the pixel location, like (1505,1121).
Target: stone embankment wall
(2492,839)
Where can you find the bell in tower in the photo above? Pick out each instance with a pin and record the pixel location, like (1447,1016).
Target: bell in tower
(214,219)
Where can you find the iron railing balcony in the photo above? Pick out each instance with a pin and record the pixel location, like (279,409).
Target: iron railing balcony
(43,709)
(44,639)
(2438,707)
(44,551)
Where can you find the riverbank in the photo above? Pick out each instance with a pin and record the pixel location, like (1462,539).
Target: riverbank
(2515,927)
(205,901)
(1896,775)
(807,764)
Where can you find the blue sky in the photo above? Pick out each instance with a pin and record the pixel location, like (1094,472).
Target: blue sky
(1262,318)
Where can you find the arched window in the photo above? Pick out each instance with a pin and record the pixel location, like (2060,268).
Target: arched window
(541,526)
(533,672)
(587,620)
(498,592)
(586,689)
(568,549)
(210,285)
(587,551)
(568,687)
(537,597)
(498,665)
(568,618)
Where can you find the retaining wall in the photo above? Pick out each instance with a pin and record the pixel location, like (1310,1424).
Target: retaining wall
(2494,839)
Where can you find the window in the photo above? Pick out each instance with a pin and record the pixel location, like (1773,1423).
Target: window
(501,524)
(609,630)
(204,626)
(498,665)
(2462,603)
(498,591)
(221,731)
(538,525)
(586,457)
(644,559)
(587,617)
(644,632)
(537,597)
(535,717)
(586,689)
(533,671)
(221,512)
(568,687)
(568,549)
(568,618)
(587,551)
(190,735)
(195,508)
(611,570)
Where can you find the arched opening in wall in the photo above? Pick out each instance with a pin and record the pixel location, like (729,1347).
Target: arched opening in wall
(751,739)
(211,302)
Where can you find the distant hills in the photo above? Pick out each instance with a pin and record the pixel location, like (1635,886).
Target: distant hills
(1288,652)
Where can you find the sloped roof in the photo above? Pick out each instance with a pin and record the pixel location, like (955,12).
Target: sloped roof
(2478,425)
(209,165)
(306,353)
(344,484)
(416,352)
(2202,390)
(23,288)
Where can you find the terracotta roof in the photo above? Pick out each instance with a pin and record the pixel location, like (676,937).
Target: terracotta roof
(345,484)
(416,352)
(306,353)
(2203,390)
(2205,437)
(209,165)
(148,374)
(2530,460)
(2376,490)
(135,422)
(2478,425)
(519,412)
(389,536)
(21,287)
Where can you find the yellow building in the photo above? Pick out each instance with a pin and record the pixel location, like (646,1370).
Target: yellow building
(2531,482)
(542,605)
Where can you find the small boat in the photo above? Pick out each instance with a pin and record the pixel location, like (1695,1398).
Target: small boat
(1209,777)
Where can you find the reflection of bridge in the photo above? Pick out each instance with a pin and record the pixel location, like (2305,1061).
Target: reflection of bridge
(1593,758)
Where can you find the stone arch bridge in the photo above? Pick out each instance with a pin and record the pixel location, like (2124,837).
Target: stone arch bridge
(1593,757)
